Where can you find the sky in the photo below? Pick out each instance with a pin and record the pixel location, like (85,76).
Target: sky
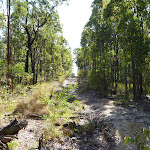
(73,18)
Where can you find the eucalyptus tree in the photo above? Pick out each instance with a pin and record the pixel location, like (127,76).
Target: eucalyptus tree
(28,18)
(3,47)
(130,29)
(36,41)
(115,40)
(96,45)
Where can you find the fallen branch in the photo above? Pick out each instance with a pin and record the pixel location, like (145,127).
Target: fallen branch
(8,133)
(41,144)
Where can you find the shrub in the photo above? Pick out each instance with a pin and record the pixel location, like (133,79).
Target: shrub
(141,139)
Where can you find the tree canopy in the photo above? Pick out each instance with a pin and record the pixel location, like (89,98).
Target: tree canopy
(38,48)
(115,50)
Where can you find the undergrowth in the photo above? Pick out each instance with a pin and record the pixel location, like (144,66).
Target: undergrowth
(140,139)
(45,102)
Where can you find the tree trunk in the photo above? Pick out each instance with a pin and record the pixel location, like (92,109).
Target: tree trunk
(133,75)
(105,83)
(33,66)
(129,70)
(141,84)
(27,61)
(126,82)
(112,75)
(52,63)
(117,62)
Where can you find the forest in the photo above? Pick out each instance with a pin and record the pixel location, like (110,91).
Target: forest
(44,106)
(37,49)
(115,48)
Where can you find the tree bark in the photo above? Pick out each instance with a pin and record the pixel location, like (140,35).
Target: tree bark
(27,61)
(126,82)
(141,84)
(133,75)
(33,66)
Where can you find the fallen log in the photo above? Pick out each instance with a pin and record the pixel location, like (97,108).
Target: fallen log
(14,127)
(7,138)
(8,133)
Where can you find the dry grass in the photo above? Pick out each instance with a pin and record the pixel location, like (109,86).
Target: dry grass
(36,103)
(21,107)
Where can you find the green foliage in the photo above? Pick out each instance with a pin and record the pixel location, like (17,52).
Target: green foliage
(27,79)
(2,20)
(59,105)
(12,145)
(36,101)
(77,103)
(60,109)
(62,79)
(141,139)
(64,95)
(114,50)
(37,43)
(5,105)
(18,72)
(83,84)
(96,80)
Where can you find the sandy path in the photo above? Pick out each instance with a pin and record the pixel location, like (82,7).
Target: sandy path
(125,121)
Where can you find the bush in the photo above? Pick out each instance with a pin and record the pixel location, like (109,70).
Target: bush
(141,139)
(18,72)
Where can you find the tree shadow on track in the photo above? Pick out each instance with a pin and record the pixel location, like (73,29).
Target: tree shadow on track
(125,121)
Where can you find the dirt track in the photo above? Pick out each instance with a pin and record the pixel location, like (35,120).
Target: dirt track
(123,121)
(115,121)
